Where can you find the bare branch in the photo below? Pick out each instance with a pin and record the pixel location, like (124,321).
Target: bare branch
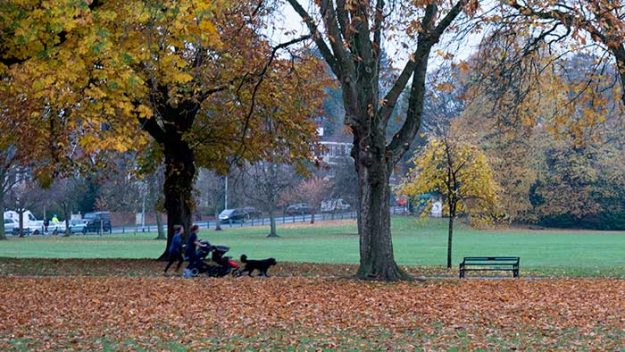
(401,140)
(314,32)
(336,39)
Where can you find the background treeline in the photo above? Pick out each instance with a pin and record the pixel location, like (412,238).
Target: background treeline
(552,130)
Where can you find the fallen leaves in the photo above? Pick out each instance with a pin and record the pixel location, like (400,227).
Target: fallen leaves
(87,313)
(128,305)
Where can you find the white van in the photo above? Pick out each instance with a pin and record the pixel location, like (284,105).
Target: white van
(31,224)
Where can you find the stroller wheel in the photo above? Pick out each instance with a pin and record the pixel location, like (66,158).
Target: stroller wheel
(194,272)
(236,273)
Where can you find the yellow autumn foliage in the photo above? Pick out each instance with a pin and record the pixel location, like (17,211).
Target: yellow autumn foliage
(94,75)
(460,172)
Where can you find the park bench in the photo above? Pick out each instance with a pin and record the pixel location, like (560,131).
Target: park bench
(490,264)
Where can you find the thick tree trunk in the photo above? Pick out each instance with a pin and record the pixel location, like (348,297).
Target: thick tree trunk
(217,221)
(377,260)
(178,187)
(272,225)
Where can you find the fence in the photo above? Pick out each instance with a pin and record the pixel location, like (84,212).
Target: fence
(264,221)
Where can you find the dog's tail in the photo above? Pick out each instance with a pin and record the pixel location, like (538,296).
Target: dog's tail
(243,258)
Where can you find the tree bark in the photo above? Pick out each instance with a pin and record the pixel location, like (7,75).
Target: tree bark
(178,186)
(272,225)
(217,221)
(449,238)
(377,260)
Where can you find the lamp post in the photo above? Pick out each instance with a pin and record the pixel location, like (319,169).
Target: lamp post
(226,193)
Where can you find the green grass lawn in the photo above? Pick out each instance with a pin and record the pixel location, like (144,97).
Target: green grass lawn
(416,242)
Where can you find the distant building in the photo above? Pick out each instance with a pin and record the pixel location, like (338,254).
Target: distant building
(437,209)
(336,152)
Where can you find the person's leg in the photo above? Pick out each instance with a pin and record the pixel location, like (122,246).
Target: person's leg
(192,260)
(172,259)
(180,261)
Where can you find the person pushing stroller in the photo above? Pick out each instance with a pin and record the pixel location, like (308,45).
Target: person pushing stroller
(197,251)
(193,244)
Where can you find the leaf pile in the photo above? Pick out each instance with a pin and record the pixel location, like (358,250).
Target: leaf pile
(121,313)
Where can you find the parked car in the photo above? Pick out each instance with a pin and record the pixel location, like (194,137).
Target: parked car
(12,226)
(298,209)
(252,212)
(77,226)
(233,215)
(57,228)
(334,205)
(97,221)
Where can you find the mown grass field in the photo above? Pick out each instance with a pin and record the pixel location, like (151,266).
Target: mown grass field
(416,243)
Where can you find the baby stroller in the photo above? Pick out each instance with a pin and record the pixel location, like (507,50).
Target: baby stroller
(219,265)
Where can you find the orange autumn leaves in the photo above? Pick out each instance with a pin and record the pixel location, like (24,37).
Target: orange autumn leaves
(86,313)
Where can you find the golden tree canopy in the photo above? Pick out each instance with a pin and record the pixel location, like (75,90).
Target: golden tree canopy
(460,172)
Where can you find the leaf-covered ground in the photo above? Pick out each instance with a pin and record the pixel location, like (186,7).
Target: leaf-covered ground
(153,268)
(146,311)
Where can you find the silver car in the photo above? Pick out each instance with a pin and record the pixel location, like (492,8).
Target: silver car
(78,226)
(12,226)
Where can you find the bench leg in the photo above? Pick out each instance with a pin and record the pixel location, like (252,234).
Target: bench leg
(515,273)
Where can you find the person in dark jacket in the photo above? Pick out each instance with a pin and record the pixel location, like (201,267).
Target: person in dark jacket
(192,245)
(175,248)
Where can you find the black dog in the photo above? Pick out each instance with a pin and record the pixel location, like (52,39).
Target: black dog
(261,265)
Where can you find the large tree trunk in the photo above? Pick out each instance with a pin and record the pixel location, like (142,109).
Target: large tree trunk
(377,260)
(272,225)
(217,221)
(178,187)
